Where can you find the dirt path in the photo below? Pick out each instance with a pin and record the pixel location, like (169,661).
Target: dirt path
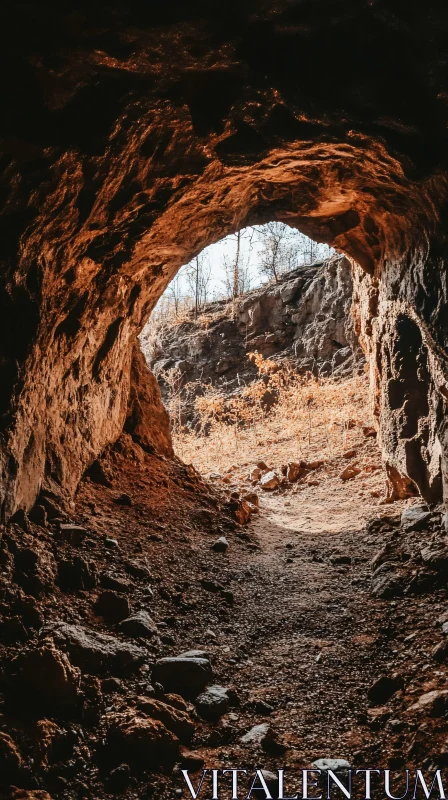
(306,632)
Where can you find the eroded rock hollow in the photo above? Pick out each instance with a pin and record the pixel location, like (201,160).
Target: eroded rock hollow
(134,134)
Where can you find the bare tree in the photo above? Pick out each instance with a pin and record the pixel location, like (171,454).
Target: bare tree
(237,269)
(277,251)
(198,275)
(284,248)
(174,293)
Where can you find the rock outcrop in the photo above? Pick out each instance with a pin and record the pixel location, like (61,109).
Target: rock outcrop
(133,137)
(305,319)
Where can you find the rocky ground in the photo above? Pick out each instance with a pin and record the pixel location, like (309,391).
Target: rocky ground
(303,640)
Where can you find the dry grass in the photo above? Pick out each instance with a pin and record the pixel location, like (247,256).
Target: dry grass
(314,418)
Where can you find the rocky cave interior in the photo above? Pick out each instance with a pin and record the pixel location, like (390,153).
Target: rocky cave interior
(132,136)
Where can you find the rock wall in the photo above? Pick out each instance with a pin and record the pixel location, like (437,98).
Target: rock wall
(132,135)
(305,318)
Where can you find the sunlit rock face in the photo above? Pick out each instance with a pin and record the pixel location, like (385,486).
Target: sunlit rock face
(134,134)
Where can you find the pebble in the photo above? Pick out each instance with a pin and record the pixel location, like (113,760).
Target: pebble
(221,545)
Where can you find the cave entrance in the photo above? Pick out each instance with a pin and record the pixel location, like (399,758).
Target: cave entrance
(255,351)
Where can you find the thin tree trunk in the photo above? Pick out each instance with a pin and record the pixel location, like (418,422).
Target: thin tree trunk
(236,269)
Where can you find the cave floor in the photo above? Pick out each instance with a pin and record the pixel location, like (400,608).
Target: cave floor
(286,615)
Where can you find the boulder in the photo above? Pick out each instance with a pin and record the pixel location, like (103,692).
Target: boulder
(183,675)
(139,624)
(95,652)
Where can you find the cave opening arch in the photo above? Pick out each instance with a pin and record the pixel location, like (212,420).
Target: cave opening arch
(106,290)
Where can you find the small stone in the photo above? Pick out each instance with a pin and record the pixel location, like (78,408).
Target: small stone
(349,453)
(264,737)
(386,583)
(110,581)
(293,471)
(185,676)
(111,685)
(255,474)
(73,534)
(190,760)
(349,473)
(221,545)
(415,518)
(139,624)
(112,606)
(271,780)
(256,734)
(195,654)
(111,544)
(139,571)
(440,652)
(212,703)
(384,688)
(252,498)
(434,702)
(335,764)
(337,560)
(261,707)
(270,481)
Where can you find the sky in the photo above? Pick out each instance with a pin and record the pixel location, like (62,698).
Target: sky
(216,262)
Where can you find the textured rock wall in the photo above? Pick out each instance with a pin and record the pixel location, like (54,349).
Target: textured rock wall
(305,318)
(134,134)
